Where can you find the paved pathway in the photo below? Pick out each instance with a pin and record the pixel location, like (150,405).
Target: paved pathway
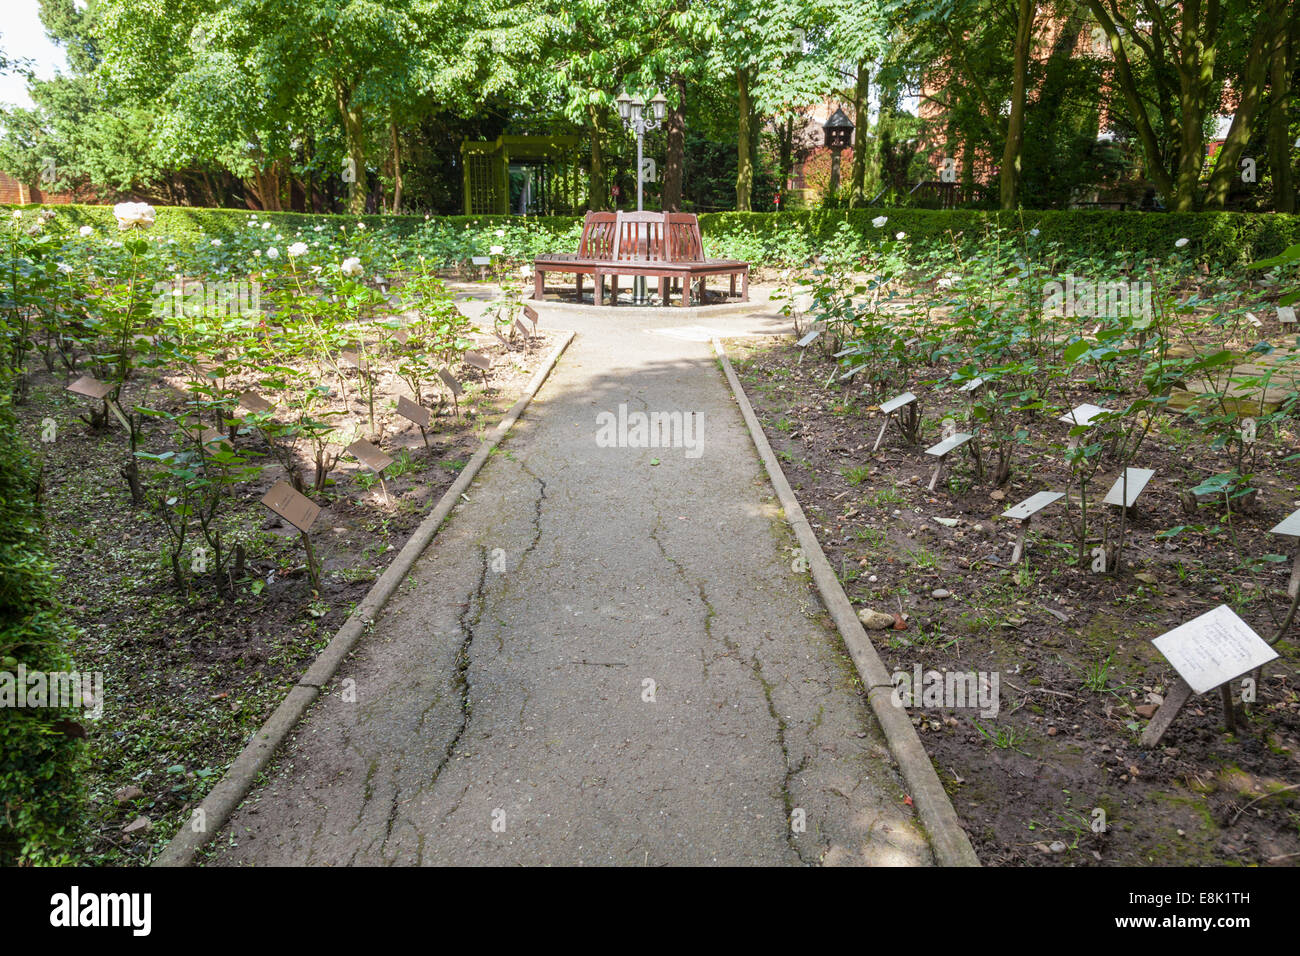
(503,716)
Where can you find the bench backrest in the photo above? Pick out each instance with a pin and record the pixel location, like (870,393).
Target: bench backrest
(683,231)
(643,236)
(640,235)
(598,236)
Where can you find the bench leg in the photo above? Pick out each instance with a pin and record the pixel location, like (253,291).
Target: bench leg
(733,285)
(744,286)
(686,292)
(539,284)
(578,283)
(599,292)
(663,290)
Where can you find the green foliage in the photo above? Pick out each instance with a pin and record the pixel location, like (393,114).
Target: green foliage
(1220,239)
(41,795)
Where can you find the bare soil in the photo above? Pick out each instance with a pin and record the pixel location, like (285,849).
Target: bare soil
(189,678)
(1072,647)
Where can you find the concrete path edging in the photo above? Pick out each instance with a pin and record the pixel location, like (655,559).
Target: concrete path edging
(216,808)
(947,838)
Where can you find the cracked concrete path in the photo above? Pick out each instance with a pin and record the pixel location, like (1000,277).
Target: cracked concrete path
(500,711)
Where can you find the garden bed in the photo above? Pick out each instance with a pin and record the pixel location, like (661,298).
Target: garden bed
(188,679)
(1078,674)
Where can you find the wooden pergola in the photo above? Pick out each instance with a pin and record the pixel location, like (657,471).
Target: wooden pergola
(559,188)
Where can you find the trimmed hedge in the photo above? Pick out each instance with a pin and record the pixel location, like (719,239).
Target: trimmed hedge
(1223,239)
(1218,238)
(42,802)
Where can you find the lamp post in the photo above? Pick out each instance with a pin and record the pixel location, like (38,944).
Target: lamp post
(631,109)
(838,132)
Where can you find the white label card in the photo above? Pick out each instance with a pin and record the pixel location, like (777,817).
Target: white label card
(948,444)
(1213,649)
(1137,481)
(1032,505)
(896,403)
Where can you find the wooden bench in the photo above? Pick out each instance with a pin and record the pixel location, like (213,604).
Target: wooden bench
(657,245)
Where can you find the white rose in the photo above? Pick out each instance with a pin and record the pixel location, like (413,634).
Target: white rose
(1033,232)
(944,283)
(133,215)
(216,242)
(497,250)
(86,231)
(297,249)
(273,253)
(1182,242)
(266,225)
(361,226)
(65,268)
(901,236)
(351,266)
(257,253)
(18,214)
(880,221)
(501,232)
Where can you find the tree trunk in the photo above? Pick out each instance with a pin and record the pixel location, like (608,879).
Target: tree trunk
(1281,66)
(1195,75)
(675,159)
(1155,169)
(397,170)
(1009,180)
(858,186)
(744,148)
(1250,88)
(597,197)
(353,131)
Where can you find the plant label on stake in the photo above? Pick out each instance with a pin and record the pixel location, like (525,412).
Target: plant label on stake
(889,408)
(1024,513)
(453,386)
(1081,415)
(295,508)
(374,459)
(254,403)
(531,315)
(808,339)
(479,361)
(1208,652)
(1289,527)
(1128,486)
(301,512)
(1286,315)
(90,387)
(412,412)
(942,450)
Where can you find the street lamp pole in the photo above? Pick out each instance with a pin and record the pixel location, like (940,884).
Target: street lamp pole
(631,109)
